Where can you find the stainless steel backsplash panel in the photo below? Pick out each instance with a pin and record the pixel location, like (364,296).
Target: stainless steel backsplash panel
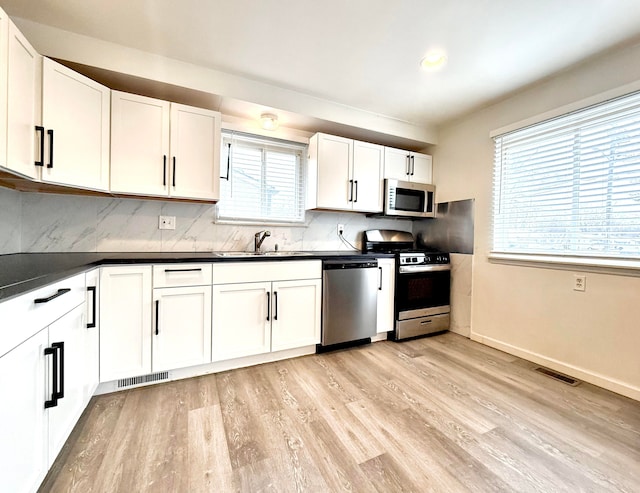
(452,229)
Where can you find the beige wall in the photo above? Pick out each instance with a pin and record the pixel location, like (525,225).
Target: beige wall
(533,312)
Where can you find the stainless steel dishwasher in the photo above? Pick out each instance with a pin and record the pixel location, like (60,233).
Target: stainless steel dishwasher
(349,302)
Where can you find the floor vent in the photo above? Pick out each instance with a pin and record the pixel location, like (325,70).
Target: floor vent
(153,377)
(558,376)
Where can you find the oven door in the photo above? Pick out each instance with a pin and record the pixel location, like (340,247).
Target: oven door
(422,293)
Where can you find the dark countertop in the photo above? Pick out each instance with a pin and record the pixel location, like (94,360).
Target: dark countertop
(24,272)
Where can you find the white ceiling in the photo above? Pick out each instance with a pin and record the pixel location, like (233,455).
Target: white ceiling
(363,54)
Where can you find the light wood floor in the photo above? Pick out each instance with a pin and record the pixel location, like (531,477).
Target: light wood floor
(434,414)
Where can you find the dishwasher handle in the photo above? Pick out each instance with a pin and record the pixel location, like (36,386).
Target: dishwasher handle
(346,264)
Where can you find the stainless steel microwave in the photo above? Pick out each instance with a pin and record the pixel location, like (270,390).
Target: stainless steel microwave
(403,198)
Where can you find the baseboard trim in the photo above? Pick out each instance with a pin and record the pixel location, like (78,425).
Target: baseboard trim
(603,381)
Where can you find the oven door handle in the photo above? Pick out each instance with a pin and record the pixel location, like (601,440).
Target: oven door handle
(410,269)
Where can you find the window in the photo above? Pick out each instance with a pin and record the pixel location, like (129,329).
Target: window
(571,185)
(264,182)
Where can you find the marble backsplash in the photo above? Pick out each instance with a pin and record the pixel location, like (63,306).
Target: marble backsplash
(35,222)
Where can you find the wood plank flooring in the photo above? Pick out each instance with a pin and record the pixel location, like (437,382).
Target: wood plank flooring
(440,414)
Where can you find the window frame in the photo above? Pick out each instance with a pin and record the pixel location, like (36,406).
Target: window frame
(604,262)
(264,143)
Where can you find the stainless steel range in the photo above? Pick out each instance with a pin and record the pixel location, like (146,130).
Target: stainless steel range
(423,281)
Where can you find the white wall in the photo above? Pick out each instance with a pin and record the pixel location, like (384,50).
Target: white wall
(37,222)
(533,312)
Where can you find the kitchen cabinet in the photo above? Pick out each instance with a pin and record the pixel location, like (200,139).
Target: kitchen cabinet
(125,321)
(407,166)
(386,288)
(260,307)
(42,382)
(75,116)
(164,149)
(182,316)
(344,174)
(19,102)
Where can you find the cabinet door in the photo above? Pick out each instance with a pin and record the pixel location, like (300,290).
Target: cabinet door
(421,168)
(386,287)
(335,160)
(125,322)
(139,145)
(70,330)
(396,164)
(195,153)
(367,176)
(92,337)
(76,109)
(241,320)
(23,105)
(23,433)
(181,327)
(296,309)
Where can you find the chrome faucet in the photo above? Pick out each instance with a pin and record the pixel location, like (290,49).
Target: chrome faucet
(259,237)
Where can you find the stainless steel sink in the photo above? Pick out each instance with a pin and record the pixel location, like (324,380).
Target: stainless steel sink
(261,254)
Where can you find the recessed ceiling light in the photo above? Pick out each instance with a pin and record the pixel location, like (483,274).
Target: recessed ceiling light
(433,60)
(269,121)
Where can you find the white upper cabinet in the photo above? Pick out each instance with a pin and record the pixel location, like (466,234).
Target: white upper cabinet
(344,174)
(407,166)
(164,149)
(368,162)
(20,102)
(195,152)
(75,115)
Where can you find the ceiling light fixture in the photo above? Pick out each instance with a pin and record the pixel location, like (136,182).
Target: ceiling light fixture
(269,121)
(433,60)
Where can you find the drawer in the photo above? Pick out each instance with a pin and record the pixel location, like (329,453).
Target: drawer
(185,274)
(276,270)
(22,317)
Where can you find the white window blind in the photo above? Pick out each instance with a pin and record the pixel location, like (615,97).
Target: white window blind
(263,181)
(571,185)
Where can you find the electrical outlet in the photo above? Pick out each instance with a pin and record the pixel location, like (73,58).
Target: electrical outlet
(579,282)
(340,229)
(167,222)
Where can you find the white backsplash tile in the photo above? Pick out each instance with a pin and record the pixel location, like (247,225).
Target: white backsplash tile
(10,212)
(58,223)
(45,223)
(128,225)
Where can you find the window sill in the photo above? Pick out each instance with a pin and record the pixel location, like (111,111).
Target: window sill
(623,267)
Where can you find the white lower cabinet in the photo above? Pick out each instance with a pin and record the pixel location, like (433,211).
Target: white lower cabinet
(296,313)
(42,381)
(24,429)
(125,322)
(265,311)
(92,334)
(386,288)
(241,322)
(181,327)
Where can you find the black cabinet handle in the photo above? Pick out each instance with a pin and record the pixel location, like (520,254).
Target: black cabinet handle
(228,163)
(157,317)
(50,134)
(53,402)
(356,184)
(174,172)
(350,191)
(164,171)
(52,297)
(380,285)
(41,130)
(183,270)
(268,306)
(275,299)
(413,164)
(408,164)
(92,290)
(60,347)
